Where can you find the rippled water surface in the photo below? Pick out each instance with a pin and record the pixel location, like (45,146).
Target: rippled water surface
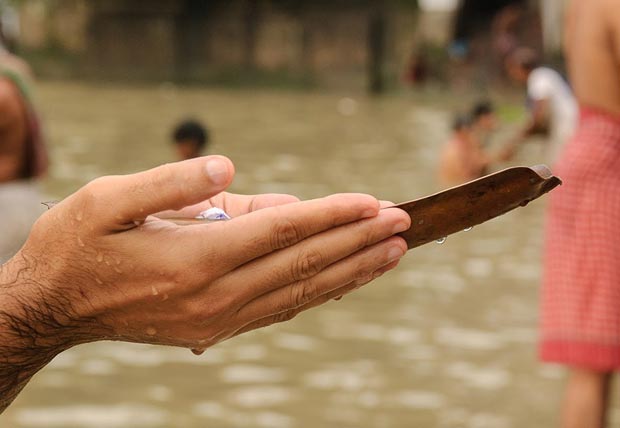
(446,340)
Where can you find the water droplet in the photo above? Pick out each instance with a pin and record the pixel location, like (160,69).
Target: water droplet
(99,257)
(151,331)
(467,229)
(164,297)
(442,240)
(117,269)
(198,351)
(80,242)
(154,290)
(98,280)
(420,222)
(79,216)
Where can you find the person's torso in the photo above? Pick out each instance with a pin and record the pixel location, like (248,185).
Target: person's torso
(592,50)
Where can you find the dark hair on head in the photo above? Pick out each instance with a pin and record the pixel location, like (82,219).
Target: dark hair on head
(461,122)
(191,130)
(482,108)
(524,57)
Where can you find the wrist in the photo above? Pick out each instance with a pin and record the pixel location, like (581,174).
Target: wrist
(35,321)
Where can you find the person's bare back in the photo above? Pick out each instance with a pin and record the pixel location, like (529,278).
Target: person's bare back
(593,53)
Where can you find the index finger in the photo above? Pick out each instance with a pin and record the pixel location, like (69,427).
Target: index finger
(237,241)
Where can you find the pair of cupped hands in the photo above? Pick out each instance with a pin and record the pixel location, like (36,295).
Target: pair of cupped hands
(102,265)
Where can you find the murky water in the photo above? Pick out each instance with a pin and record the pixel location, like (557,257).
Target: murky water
(447,340)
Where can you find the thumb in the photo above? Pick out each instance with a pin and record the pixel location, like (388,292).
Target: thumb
(131,198)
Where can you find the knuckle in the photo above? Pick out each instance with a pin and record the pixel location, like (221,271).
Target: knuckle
(95,192)
(367,231)
(302,294)
(364,268)
(285,233)
(308,264)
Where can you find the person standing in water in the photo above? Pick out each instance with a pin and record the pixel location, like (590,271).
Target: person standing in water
(580,319)
(23,157)
(464,157)
(551,104)
(461,160)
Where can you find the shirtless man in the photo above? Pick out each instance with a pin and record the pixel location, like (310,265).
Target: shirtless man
(22,155)
(464,158)
(580,320)
(461,158)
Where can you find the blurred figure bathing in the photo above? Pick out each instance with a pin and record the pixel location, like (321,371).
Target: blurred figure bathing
(190,138)
(464,158)
(580,319)
(551,104)
(22,155)
(461,159)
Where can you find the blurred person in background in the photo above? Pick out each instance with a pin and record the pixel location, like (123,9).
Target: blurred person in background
(552,108)
(483,122)
(460,159)
(505,29)
(190,139)
(580,318)
(463,158)
(23,156)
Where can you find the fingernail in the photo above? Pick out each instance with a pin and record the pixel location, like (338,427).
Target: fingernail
(394,253)
(400,227)
(217,170)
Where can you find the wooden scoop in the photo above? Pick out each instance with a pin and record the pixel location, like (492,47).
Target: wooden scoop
(437,216)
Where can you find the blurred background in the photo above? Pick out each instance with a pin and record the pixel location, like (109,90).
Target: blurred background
(309,98)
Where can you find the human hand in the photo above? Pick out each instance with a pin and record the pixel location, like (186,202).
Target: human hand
(99,266)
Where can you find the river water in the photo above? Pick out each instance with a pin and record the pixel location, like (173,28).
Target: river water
(446,340)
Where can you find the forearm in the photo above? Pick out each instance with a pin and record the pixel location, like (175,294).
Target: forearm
(32,329)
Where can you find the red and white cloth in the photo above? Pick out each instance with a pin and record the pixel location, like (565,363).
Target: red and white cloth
(580,316)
